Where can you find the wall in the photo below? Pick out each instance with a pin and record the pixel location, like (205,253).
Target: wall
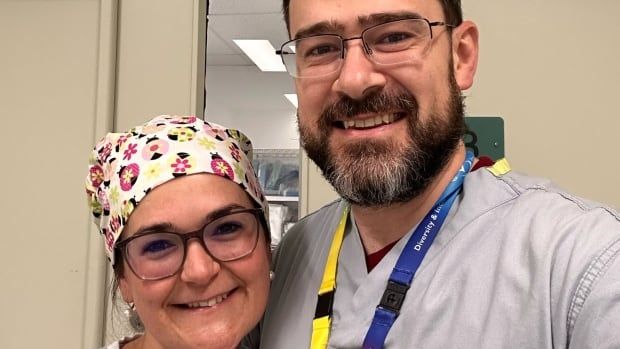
(160,59)
(56,93)
(549,68)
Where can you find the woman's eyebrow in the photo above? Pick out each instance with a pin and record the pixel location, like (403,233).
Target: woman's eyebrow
(170,226)
(158,226)
(224,210)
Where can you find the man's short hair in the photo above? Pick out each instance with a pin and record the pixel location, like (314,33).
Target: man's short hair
(452,12)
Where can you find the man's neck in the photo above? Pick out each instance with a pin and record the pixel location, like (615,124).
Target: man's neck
(379,226)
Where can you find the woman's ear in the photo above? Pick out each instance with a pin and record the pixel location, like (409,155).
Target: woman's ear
(125,290)
(465,53)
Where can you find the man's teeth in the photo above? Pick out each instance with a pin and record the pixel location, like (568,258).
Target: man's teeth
(208,303)
(370,122)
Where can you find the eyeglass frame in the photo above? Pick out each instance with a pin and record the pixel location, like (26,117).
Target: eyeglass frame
(367,49)
(121,246)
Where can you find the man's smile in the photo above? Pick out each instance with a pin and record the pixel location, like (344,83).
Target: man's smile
(370,121)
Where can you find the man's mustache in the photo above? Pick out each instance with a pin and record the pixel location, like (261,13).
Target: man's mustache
(379,102)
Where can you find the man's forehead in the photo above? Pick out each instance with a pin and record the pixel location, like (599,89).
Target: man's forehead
(363,21)
(341,15)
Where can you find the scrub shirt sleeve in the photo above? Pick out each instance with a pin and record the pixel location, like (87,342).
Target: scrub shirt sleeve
(597,325)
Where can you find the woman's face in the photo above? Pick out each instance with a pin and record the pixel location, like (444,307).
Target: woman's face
(175,311)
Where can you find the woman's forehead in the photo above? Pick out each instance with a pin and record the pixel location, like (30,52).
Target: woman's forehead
(184,200)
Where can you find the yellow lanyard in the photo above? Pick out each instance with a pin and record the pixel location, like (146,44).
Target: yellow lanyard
(323,315)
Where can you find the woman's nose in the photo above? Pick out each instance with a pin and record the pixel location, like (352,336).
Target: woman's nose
(199,267)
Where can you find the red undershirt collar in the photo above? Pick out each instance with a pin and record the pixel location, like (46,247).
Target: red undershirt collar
(374,258)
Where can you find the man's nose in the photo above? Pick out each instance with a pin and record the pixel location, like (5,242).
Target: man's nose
(358,75)
(199,267)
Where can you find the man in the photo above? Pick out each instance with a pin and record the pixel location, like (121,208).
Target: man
(499,261)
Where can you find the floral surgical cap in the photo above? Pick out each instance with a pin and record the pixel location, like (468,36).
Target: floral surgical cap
(124,167)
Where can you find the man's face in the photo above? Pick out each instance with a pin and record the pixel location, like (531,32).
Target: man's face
(380,133)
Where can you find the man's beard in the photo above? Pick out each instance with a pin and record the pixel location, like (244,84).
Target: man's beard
(376,173)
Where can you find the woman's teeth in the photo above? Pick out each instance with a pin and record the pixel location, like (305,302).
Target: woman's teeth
(208,303)
(378,120)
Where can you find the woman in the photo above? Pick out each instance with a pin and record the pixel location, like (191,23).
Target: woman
(184,224)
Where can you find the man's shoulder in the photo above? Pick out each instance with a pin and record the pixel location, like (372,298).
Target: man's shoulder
(540,213)
(527,191)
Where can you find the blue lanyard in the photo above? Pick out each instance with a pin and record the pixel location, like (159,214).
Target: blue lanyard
(410,259)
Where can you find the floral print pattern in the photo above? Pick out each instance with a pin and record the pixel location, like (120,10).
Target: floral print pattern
(124,167)
(222,168)
(181,134)
(131,149)
(155,148)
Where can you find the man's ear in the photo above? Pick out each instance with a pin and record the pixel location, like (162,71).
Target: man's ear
(465,53)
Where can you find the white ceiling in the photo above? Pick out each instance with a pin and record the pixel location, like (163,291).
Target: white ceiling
(234,83)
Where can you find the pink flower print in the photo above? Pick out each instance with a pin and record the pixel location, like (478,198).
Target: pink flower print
(105,152)
(103,199)
(115,223)
(96,176)
(131,149)
(122,139)
(234,152)
(216,133)
(129,176)
(222,168)
(180,165)
(183,120)
(109,239)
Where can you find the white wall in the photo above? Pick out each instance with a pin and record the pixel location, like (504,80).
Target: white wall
(55,99)
(550,69)
(160,59)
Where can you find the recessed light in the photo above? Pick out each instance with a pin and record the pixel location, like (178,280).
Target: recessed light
(263,54)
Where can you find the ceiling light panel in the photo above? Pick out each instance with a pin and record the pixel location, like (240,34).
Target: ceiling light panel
(262,53)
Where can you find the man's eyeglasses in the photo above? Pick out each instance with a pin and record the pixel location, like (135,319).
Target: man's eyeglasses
(387,43)
(156,255)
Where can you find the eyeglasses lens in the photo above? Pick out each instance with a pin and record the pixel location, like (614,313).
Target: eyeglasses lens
(388,43)
(157,255)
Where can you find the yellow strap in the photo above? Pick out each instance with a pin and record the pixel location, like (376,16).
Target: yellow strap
(501,167)
(329,275)
(320,332)
(321,326)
